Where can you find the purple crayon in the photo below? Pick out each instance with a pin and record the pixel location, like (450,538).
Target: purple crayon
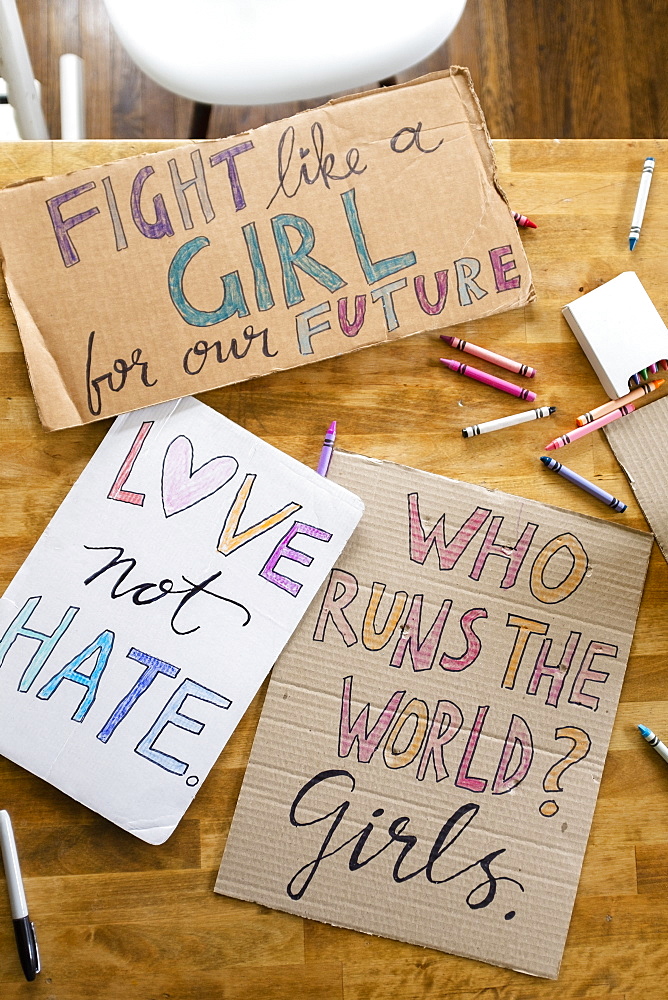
(584,484)
(496,383)
(327,449)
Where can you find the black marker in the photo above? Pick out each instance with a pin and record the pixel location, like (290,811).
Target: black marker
(24,930)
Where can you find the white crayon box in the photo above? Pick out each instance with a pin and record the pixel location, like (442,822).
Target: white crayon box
(619,329)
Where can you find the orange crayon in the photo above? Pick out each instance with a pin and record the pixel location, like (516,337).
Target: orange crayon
(616,404)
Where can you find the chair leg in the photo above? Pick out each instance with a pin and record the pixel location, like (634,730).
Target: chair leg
(199,123)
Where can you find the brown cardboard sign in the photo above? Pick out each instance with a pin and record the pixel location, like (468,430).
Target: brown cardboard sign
(160,276)
(430,749)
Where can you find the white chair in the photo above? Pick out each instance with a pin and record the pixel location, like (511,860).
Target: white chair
(21,115)
(21,90)
(269,51)
(72,104)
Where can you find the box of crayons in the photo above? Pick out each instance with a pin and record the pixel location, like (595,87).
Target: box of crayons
(626,342)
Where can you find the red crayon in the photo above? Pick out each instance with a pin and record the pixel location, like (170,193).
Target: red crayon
(496,383)
(522,220)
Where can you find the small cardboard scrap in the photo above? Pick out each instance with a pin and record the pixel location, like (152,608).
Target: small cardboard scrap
(639,442)
(162,275)
(139,628)
(431,745)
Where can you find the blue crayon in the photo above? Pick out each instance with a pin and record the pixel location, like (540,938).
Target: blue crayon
(584,484)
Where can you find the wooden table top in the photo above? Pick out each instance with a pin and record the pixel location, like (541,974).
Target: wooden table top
(117,918)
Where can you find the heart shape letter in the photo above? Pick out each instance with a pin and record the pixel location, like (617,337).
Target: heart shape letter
(183,487)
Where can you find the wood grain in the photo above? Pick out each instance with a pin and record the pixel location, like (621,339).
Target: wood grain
(121,920)
(563,69)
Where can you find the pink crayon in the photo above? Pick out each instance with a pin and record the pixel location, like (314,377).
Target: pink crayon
(485,355)
(579,432)
(616,404)
(522,220)
(496,383)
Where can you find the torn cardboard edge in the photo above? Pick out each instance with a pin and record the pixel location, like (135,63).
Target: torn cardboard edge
(493,490)
(307,723)
(55,403)
(54,342)
(639,441)
(476,118)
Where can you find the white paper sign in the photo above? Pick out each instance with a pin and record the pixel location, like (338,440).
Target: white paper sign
(141,625)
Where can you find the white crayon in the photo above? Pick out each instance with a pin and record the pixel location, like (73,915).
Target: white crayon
(510,421)
(641,201)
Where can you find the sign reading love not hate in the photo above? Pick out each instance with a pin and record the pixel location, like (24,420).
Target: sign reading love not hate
(144,620)
(454,691)
(160,276)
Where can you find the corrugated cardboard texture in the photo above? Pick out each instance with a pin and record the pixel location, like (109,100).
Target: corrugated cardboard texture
(160,276)
(639,442)
(471,865)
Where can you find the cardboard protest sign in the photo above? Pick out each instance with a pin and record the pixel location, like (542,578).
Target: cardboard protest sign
(162,275)
(144,620)
(431,745)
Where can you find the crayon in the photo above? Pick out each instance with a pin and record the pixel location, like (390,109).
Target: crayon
(645,373)
(495,359)
(327,449)
(522,220)
(654,741)
(584,484)
(579,432)
(502,422)
(641,201)
(496,383)
(615,404)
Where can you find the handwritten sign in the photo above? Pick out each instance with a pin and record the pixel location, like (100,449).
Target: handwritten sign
(163,275)
(146,617)
(454,686)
